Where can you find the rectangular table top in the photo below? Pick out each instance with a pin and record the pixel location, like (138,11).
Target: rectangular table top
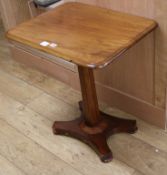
(83,34)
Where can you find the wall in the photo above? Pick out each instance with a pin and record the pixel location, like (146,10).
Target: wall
(13,12)
(146,8)
(161,53)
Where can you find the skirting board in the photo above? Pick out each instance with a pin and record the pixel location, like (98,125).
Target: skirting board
(112,97)
(132,105)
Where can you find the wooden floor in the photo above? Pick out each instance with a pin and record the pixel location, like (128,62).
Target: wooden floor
(29,103)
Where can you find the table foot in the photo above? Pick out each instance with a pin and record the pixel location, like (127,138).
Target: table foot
(95,137)
(92,136)
(121,125)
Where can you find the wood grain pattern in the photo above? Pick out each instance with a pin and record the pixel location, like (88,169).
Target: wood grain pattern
(92,43)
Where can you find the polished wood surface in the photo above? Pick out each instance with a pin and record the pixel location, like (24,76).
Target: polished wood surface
(90,102)
(96,136)
(96,35)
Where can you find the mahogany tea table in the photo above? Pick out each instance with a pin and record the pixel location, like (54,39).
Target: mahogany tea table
(91,37)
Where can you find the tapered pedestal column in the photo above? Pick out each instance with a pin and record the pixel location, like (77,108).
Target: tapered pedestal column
(93,127)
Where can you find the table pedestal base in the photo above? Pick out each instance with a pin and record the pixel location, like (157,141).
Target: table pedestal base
(96,136)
